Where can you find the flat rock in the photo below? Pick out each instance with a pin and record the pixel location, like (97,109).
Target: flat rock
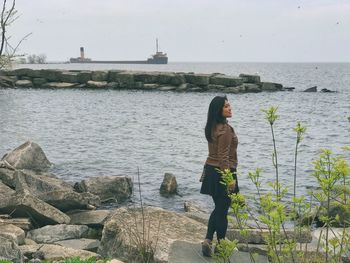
(55,252)
(81,244)
(59,85)
(51,234)
(182,251)
(91,218)
(10,250)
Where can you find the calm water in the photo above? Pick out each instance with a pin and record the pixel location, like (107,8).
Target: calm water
(109,132)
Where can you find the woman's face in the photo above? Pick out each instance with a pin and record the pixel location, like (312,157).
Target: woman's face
(226,110)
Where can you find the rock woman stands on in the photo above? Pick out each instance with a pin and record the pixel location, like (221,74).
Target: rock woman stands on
(222,145)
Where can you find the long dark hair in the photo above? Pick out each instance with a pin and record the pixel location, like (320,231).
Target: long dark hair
(214,116)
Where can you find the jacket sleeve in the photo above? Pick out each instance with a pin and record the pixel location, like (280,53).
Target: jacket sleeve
(224,142)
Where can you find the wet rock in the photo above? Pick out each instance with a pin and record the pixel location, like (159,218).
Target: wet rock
(197,79)
(51,74)
(151,86)
(171,78)
(146,77)
(247,78)
(70,77)
(38,82)
(327,91)
(24,84)
(251,88)
(96,84)
(312,89)
(161,227)
(167,88)
(55,252)
(213,87)
(99,75)
(51,234)
(227,81)
(84,76)
(270,86)
(28,156)
(108,188)
(233,90)
(124,79)
(7,81)
(169,185)
(59,85)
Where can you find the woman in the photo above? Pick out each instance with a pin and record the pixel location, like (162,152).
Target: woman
(222,145)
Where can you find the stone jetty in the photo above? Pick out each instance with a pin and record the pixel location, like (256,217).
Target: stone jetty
(136,80)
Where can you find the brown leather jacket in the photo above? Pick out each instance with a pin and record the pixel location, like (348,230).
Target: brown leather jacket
(223,148)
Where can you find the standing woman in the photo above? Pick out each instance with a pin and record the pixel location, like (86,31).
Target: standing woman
(222,145)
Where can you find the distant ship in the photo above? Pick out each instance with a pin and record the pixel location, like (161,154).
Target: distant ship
(157,58)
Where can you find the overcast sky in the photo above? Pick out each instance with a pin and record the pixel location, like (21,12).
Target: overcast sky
(188,30)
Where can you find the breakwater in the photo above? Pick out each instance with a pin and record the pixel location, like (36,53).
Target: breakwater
(139,80)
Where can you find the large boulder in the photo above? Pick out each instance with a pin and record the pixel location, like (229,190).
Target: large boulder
(124,79)
(227,81)
(159,227)
(59,85)
(99,75)
(8,81)
(70,77)
(84,76)
(51,74)
(13,233)
(81,244)
(53,191)
(27,205)
(51,234)
(197,79)
(247,78)
(9,250)
(28,156)
(146,77)
(108,188)
(169,185)
(171,78)
(312,89)
(55,253)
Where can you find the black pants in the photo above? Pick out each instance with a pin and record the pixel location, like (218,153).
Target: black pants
(218,218)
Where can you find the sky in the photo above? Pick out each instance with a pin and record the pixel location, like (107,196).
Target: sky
(188,30)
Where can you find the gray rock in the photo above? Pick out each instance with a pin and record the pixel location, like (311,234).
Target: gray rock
(169,185)
(24,205)
(270,86)
(146,77)
(150,86)
(96,84)
(253,88)
(8,81)
(161,227)
(51,234)
(51,74)
(80,244)
(53,191)
(9,250)
(59,85)
(91,218)
(56,252)
(24,72)
(247,78)
(70,77)
(117,188)
(6,191)
(184,87)
(213,87)
(197,79)
(171,78)
(112,85)
(312,89)
(234,90)
(28,156)
(124,79)
(167,88)
(227,81)
(12,232)
(38,82)
(24,84)
(84,76)
(99,75)
(22,223)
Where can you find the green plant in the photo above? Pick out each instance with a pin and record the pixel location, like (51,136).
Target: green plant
(223,250)
(79,260)
(5,261)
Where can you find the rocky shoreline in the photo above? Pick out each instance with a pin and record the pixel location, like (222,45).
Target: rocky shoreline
(44,218)
(135,80)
